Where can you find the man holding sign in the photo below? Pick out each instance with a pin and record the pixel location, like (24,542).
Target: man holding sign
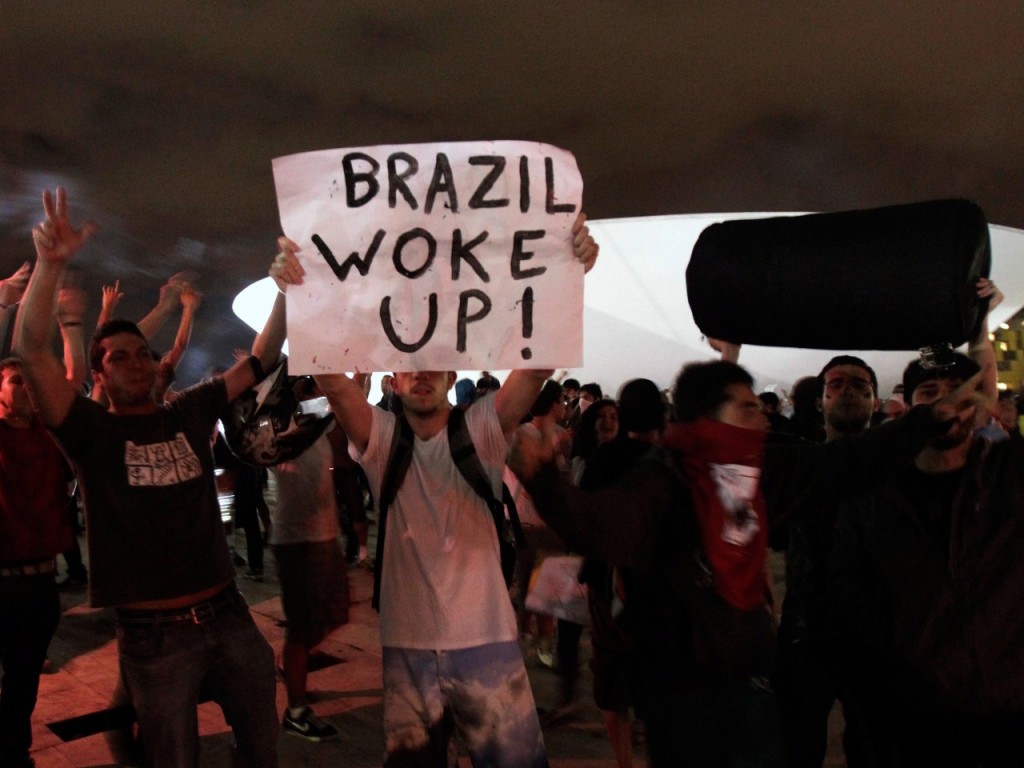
(450,653)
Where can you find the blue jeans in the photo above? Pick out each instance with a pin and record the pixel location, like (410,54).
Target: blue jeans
(167,668)
(483,692)
(29,613)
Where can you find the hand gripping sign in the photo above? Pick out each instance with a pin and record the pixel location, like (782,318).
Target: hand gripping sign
(454,256)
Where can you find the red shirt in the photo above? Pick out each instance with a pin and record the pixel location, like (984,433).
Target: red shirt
(34,521)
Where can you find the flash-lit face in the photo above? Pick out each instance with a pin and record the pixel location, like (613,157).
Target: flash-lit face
(424,392)
(128,372)
(848,398)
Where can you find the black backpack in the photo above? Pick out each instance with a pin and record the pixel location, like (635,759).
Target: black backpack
(510,532)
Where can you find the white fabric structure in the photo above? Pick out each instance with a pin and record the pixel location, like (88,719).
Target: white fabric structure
(637,321)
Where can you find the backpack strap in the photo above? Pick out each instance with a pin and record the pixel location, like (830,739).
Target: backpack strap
(465,457)
(398,464)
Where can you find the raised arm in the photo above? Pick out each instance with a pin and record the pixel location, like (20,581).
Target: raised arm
(56,240)
(13,288)
(516,396)
(112,295)
(190,301)
(11,291)
(346,396)
(70,311)
(165,305)
(522,387)
(728,351)
(583,243)
(350,406)
(980,348)
(266,347)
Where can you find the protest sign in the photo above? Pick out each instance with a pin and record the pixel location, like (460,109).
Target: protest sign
(453,256)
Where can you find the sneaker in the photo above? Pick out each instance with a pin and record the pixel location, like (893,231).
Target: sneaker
(309,726)
(253,574)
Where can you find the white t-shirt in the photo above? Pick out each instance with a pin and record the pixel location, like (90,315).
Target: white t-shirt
(441,586)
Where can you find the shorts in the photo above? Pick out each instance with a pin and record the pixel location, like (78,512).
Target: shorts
(482,692)
(314,589)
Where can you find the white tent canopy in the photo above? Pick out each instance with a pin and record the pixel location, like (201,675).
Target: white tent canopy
(637,321)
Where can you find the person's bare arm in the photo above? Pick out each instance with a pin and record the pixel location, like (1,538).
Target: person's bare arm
(348,402)
(111,297)
(13,288)
(350,407)
(165,305)
(56,240)
(517,395)
(190,301)
(728,352)
(583,243)
(11,291)
(266,347)
(70,311)
(980,348)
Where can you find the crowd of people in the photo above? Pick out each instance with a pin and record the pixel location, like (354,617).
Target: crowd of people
(899,519)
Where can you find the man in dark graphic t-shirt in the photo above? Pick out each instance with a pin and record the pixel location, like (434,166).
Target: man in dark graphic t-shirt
(157,548)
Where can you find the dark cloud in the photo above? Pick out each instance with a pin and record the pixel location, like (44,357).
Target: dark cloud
(164,117)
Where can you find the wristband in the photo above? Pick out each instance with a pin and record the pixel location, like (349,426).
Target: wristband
(257,368)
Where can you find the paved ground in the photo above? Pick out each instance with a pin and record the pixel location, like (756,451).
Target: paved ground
(347,692)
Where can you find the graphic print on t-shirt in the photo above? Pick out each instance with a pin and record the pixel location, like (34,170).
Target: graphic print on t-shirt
(736,484)
(169,462)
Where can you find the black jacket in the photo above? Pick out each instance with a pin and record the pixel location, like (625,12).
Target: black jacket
(930,606)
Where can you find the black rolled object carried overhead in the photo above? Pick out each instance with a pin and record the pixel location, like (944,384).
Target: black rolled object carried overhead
(894,278)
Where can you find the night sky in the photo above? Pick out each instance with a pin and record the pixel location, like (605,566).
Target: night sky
(162,118)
